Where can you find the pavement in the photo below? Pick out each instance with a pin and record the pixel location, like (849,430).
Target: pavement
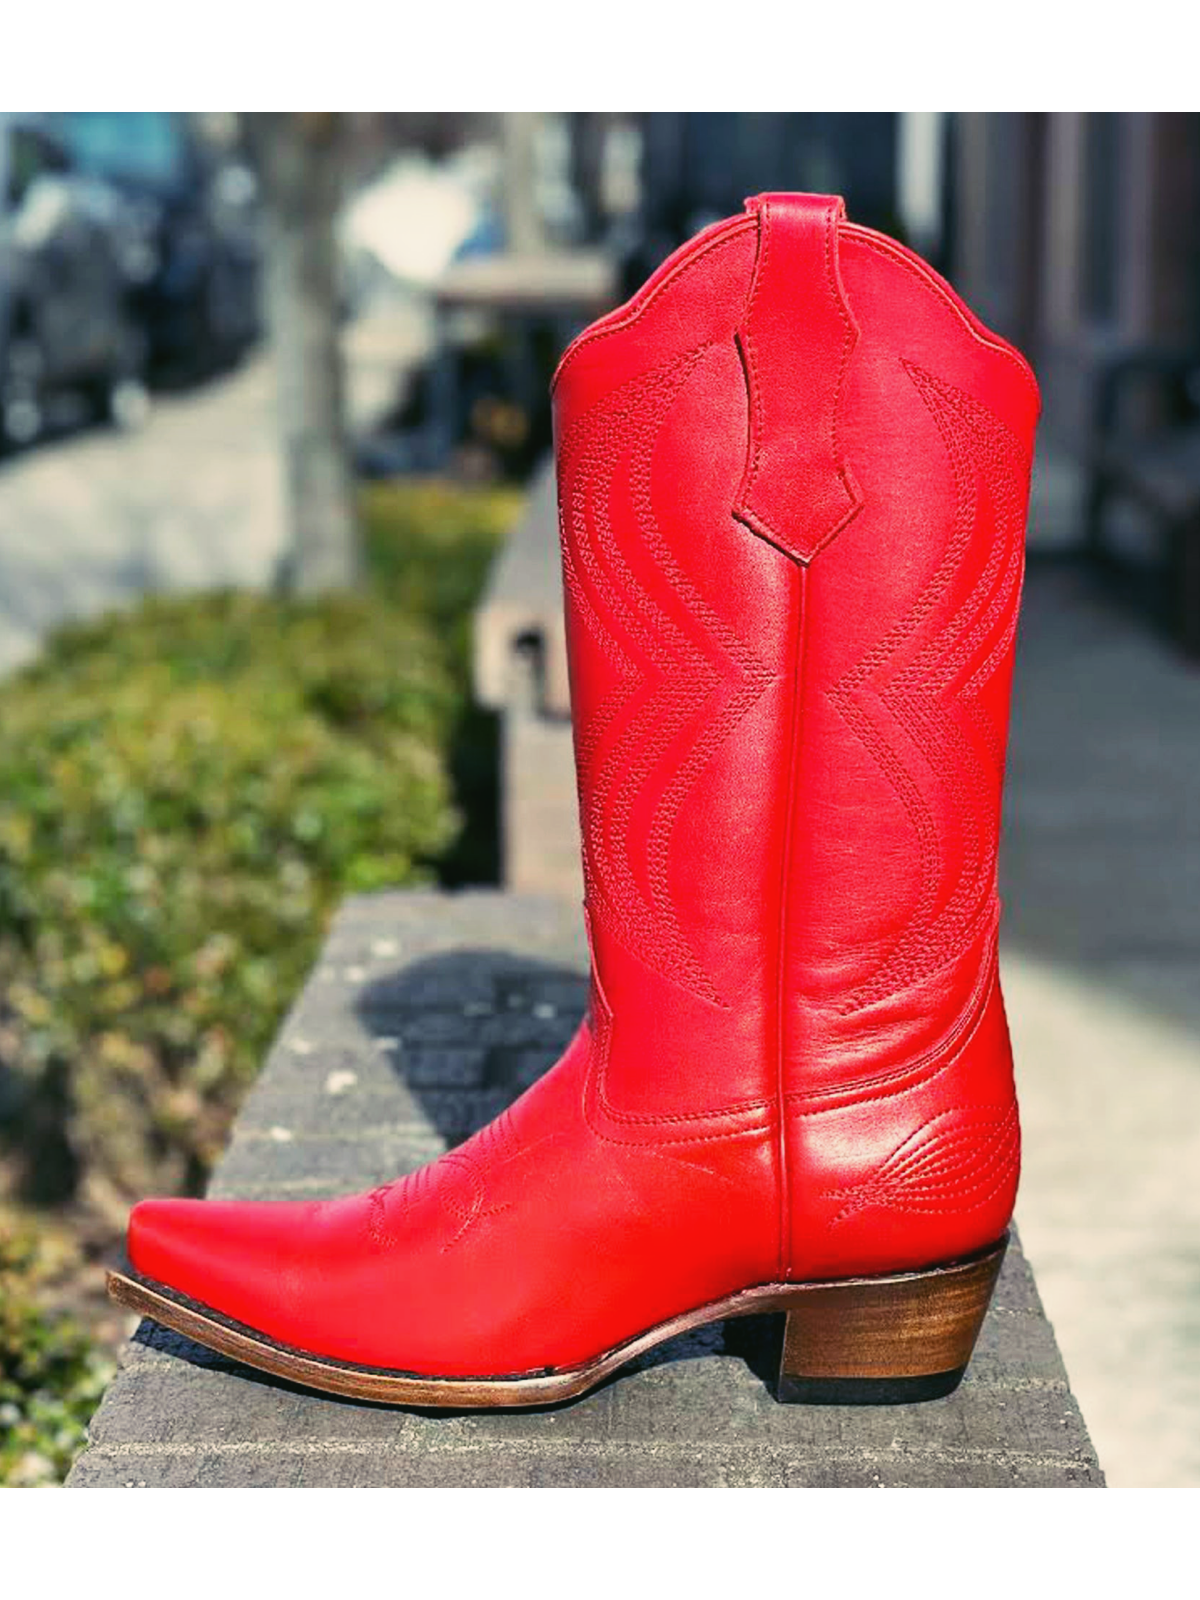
(1100,874)
(192,500)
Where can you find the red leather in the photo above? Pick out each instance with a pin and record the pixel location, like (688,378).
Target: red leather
(798,490)
(793,475)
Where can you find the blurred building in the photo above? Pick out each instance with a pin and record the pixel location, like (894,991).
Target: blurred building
(700,166)
(1077,235)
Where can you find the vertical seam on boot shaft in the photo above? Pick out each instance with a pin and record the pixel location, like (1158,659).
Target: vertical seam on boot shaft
(798,629)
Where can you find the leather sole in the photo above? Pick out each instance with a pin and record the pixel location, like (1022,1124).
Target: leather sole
(885,1340)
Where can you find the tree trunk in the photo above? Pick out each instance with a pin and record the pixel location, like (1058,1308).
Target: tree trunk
(299,157)
(523,226)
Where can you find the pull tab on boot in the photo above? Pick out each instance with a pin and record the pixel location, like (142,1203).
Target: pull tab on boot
(796,339)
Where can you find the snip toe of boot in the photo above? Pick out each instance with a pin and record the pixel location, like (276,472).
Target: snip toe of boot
(227,1255)
(167,1242)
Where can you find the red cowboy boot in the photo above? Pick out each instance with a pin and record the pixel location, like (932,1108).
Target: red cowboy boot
(792,474)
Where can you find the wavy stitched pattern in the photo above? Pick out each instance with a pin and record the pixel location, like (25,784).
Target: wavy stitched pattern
(956,1162)
(928,673)
(459,1182)
(411,1187)
(675,673)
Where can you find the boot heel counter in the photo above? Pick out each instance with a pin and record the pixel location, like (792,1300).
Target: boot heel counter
(909,1176)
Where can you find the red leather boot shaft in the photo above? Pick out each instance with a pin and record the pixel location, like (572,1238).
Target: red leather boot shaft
(793,485)
(899,1071)
(678,629)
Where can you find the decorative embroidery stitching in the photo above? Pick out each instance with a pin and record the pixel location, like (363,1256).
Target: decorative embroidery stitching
(929,675)
(674,674)
(955,1167)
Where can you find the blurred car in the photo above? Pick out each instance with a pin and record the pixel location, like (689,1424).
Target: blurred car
(67,328)
(195,263)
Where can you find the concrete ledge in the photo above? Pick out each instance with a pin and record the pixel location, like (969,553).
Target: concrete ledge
(520,670)
(538,813)
(521,612)
(425,1015)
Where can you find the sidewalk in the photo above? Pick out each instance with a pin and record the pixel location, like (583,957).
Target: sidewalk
(1100,873)
(191,501)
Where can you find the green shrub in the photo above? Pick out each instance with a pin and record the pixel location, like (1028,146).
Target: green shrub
(51,1377)
(429,547)
(185,792)
(187,789)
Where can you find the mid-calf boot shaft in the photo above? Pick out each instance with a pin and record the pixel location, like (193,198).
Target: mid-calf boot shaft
(679,628)
(793,480)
